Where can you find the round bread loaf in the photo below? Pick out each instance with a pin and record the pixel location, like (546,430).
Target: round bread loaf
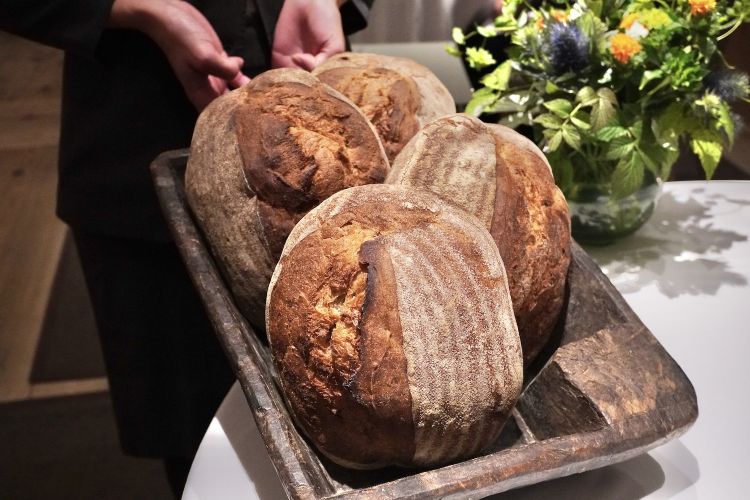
(399,96)
(392,330)
(261,157)
(501,177)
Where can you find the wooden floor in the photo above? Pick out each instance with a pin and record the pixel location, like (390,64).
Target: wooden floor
(31,237)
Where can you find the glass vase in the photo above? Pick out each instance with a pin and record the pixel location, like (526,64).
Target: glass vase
(599,218)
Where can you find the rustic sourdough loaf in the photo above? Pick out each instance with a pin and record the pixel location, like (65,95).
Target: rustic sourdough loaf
(261,157)
(505,180)
(398,95)
(392,330)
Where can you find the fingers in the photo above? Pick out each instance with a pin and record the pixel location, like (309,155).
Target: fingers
(239,80)
(305,61)
(212,62)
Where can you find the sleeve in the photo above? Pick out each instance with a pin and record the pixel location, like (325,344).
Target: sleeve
(354,15)
(74,25)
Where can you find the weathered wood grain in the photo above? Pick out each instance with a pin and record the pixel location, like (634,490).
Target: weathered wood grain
(607,392)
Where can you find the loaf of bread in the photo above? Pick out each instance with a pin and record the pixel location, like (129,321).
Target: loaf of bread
(505,180)
(392,330)
(399,96)
(261,157)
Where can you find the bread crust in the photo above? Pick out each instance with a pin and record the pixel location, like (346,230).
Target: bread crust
(504,179)
(398,95)
(432,362)
(261,157)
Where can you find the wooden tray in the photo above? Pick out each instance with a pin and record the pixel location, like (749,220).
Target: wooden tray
(606,390)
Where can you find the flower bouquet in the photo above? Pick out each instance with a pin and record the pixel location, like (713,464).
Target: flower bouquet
(610,89)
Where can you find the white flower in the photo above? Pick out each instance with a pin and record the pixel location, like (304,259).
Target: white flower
(637,31)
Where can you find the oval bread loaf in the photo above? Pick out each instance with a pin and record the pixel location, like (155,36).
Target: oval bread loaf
(399,96)
(501,177)
(392,330)
(261,157)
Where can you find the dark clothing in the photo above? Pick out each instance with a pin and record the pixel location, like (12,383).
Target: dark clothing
(122,106)
(167,371)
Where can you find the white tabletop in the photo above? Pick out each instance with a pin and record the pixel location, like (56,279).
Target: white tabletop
(686,274)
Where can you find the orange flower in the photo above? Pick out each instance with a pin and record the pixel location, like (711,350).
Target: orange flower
(629,19)
(539,23)
(623,47)
(700,7)
(559,15)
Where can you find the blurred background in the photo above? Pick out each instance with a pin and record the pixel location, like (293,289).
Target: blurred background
(56,427)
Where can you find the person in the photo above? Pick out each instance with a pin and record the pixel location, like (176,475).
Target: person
(136,74)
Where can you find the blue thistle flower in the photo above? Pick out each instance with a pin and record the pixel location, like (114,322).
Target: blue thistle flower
(727,84)
(568,48)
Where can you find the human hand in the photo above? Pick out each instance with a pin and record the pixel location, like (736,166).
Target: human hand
(307,33)
(190,43)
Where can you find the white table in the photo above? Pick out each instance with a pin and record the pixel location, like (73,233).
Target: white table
(686,273)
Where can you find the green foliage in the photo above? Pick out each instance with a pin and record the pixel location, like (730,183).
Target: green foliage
(628,110)
(479,57)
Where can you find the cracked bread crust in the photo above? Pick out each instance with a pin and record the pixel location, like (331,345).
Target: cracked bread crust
(261,157)
(502,178)
(364,374)
(398,95)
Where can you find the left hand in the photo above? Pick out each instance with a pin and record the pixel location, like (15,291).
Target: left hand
(307,33)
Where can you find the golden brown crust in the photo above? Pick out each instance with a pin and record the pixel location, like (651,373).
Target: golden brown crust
(530,207)
(398,96)
(262,156)
(505,180)
(365,344)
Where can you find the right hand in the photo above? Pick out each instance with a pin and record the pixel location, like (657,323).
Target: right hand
(190,43)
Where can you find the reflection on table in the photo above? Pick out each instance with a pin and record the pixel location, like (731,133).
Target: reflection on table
(686,274)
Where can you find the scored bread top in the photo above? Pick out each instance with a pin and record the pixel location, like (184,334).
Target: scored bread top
(398,95)
(391,327)
(505,180)
(261,157)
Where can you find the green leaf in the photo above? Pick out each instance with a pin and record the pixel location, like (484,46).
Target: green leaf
(610,132)
(548,120)
(595,6)
(649,162)
(603,109)
(514,120)
(479,57)
(561,107)
(452,50)
(498,79)
(707,145)
(550,87)
(572,137)
(627,176)
(619,148)
(671,122)
(587,96)
(661,156)
(593,27)
(581,120)
(554,140)
(480,100)
(458,36)
(562,169)
(510,103)
(607,95)
(725,121)
(648,76)
(487,31)
(636,129)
